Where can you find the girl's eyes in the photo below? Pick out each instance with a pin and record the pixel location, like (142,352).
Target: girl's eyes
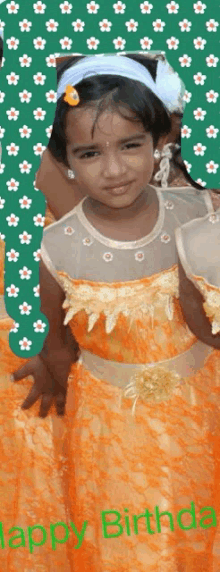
(90,154)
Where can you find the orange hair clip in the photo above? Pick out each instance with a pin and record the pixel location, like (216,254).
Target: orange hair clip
(71,95)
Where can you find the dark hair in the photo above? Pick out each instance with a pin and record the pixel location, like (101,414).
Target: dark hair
(121,93)
(1,49)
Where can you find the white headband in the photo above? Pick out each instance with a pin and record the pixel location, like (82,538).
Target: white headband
(168,86)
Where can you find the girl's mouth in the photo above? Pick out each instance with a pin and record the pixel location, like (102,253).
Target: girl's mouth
(118,191)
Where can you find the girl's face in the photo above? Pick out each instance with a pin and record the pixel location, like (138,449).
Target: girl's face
(115,165)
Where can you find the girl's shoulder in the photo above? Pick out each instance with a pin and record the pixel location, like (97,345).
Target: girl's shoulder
(198,244)
(185,203)
(190,200)
(65,226)
(58,240)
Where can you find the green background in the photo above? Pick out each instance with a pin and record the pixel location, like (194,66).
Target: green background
(10,98)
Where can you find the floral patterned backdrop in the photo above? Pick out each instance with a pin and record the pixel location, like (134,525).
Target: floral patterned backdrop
(34,35)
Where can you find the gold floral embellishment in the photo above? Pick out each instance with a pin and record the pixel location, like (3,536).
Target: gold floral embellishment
(152,384)
(130,301)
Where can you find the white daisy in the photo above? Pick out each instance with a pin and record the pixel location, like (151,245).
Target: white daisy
(185,25)
(25,308)
(172,7)
(25,344)
(25,131)
(105,25)
(146,7)
(78,25)
(66,7)
(12,291)
(12,220)
(39,114)
(66,43)
(25,202)
(212,96)
(212,167)
(39,326)
(39,43)
(52,25)
(146,43)
(12,43)
(12,78)
(158,25)
(25,273)
(25,237)
(12,114)
(199,7)
(199,149)
(199,114)
(119,43)
(39,220)
(39,7)
(132,25)
(25,25)
(25,96)
(212,131)
(25,167)
(93,7)
(12,185)
(12,255)
(25,61)
(92,43)
(199,78)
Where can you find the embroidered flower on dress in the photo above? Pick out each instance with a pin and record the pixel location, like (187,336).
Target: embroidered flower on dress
(106,294)
(87,241)
(214,218)
(152,384)
(139,256)
(107,256)
(169,205)
(69,230)
(165,237)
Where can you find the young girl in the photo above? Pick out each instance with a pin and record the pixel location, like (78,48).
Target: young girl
(139,459)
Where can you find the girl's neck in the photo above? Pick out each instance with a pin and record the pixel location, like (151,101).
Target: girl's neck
(103,212)
(132,223)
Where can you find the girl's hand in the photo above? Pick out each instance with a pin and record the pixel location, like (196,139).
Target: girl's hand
(46,385)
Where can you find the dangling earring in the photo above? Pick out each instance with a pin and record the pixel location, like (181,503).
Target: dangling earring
(164,167)
(156,154)
(71,174)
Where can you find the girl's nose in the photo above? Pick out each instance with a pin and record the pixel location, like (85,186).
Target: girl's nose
(113,165)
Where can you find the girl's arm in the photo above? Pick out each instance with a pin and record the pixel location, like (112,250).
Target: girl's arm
(191,301)
(51,367)
(62,194)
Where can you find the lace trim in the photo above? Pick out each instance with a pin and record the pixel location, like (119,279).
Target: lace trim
(128,299)
(212,302)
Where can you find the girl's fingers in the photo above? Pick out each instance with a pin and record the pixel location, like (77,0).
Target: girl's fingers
(46,403)
(32,397)
(60,403)
(22,372)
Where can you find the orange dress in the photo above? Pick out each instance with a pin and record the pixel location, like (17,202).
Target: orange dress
(130,476)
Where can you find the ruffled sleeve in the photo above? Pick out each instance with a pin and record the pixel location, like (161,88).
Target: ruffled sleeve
(198,245)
